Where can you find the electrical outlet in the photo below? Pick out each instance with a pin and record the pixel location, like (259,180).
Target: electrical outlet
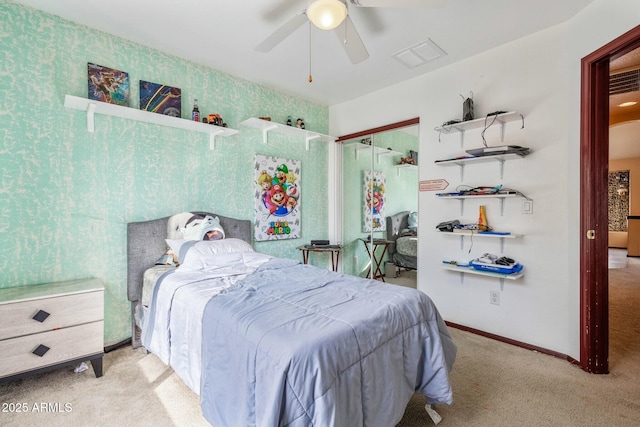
(527,206)
(494,297)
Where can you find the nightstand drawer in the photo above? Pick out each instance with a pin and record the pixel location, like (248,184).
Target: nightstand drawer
(57,312)
(63,344)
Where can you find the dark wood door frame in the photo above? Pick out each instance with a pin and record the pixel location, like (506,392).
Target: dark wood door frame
(594,167)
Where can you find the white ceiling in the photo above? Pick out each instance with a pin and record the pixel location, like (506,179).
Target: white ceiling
(223,34)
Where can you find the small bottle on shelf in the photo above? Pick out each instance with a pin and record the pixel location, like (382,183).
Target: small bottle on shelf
(195,113)
(289,121)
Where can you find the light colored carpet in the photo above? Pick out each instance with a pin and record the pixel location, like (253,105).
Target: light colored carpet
(406,278)
(618,258)
(495,384)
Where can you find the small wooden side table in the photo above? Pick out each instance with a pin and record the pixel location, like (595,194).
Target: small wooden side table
(333,249)
(376,260)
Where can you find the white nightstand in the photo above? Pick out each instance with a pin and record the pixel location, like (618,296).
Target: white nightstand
(44,327)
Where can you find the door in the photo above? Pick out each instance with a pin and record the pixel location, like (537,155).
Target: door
(594,159)
(373,188)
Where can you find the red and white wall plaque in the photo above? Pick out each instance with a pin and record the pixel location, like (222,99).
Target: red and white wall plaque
(433,185)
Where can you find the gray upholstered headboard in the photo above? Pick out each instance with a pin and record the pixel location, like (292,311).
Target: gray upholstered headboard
(146,243)
(395,224)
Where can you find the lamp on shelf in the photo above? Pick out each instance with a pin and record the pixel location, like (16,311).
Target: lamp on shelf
(327,14)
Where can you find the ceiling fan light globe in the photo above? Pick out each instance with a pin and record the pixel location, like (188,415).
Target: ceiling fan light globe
(327,14)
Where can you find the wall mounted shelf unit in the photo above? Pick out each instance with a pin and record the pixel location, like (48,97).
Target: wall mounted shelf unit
(501,197)
(378,151)
(405,167)
(475,234)
(462,162)
(267,126)
(93,107)
(483,122)
(470,270)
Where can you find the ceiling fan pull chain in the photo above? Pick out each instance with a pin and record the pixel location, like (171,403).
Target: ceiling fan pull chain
(344,41)
(310,76)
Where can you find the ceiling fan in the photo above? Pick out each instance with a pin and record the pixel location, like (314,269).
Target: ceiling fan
(334,15)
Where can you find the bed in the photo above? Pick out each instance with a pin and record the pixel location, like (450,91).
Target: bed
(270,341)
(403,250)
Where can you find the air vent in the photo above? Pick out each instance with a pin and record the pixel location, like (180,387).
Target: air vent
(419,53)
(629,81)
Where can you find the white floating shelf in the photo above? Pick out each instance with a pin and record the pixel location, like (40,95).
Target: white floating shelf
(481,196)
(93,107)
(267,126)
(483,122)
(476,234)
(406,166)
(473,234)
(480,123)
(463,161)
(480,159)
(471,270)
(501,197)
(378,151)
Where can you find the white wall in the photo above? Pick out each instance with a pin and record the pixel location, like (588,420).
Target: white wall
(538,76)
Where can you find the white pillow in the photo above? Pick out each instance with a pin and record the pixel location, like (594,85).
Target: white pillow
(177,246)
(191,252)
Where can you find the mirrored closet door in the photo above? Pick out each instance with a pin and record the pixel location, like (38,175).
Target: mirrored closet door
(380,202)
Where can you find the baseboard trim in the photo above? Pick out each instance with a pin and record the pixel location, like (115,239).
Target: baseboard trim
(514,342)
(116,346)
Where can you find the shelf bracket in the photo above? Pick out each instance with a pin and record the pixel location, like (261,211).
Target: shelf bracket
(309,138)
(502,126)
(502,207)
(212,139)
(461,207)
(265,132)
(501,161)
(502,284)
(461,242)
(502,245)
(461,172)
(91,110)
(462,278)
(462,138)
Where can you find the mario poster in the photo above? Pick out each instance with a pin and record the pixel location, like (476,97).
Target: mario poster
(374,201)
(277,198)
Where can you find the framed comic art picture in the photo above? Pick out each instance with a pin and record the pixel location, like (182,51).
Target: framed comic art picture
(374,201)
(161,99)
(108,84)
(277,198)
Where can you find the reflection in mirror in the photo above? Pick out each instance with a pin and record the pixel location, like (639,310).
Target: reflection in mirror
(380,185)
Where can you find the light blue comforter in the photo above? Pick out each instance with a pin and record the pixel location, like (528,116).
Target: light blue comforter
(295,345)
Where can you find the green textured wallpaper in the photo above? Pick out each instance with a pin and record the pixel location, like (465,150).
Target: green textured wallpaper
(401,190)
(66,195)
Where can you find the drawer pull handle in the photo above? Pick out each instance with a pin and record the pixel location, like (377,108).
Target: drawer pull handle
(40,316)
(41,350)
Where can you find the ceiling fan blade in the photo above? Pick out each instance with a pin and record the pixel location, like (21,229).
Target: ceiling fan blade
(398,3)
(283,32)
(282,8)
(351,41)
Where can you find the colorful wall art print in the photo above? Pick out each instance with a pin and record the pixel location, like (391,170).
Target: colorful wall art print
(374,201)
(160,99)
(108,84)
(277,198)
